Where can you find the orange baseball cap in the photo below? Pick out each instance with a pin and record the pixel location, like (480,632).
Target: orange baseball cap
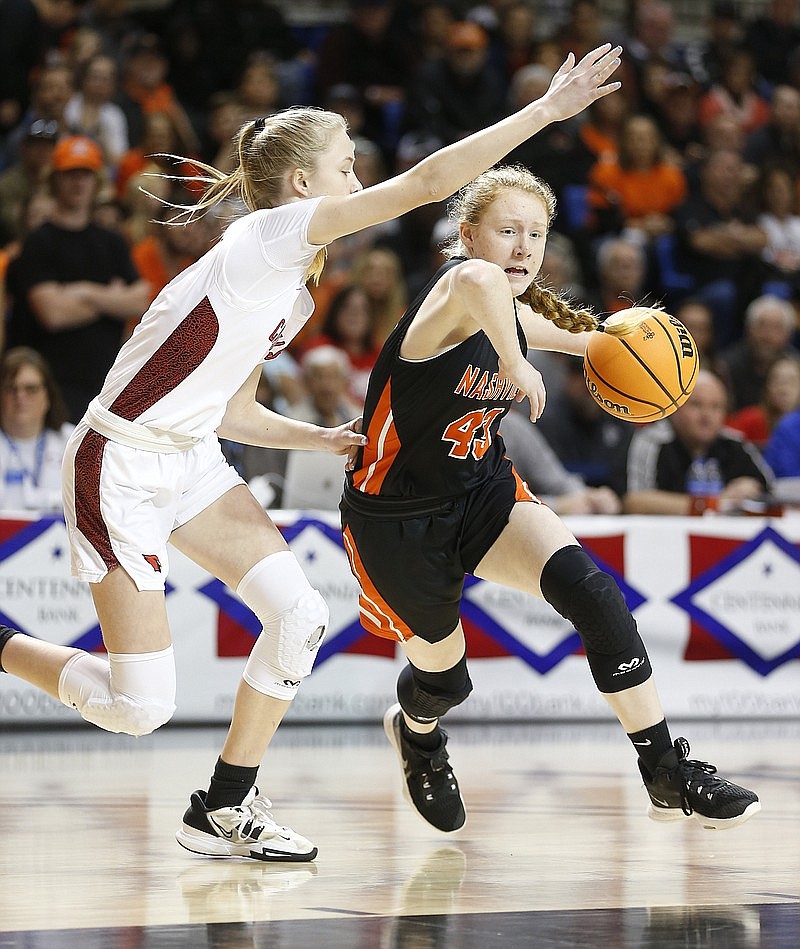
(464,34)
(77,151)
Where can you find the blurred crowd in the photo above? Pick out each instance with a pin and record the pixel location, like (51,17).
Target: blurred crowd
(682,189)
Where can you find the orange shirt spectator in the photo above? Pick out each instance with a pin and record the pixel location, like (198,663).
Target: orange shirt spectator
(639,186)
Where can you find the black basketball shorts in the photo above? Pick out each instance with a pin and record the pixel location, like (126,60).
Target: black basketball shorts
(410,559)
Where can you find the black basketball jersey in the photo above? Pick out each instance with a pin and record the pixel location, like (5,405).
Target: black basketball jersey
(433,424)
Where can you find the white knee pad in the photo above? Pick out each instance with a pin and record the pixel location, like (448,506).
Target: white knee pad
(294,617)
(132,693)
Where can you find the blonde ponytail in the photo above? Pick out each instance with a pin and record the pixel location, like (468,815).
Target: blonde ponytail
(267,149)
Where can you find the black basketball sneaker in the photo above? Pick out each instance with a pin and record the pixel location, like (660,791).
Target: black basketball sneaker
(680,788)
(429,784)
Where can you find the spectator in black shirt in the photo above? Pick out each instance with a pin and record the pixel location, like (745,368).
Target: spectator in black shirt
(74,283)
(690,462)
(719,244)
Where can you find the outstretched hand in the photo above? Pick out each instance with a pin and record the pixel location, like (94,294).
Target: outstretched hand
(574,87)
(345,439)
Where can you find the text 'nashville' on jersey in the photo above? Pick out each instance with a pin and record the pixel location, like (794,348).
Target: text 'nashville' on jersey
(432,425)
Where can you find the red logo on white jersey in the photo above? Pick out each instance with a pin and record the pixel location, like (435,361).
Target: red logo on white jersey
(154,562)
(277,342)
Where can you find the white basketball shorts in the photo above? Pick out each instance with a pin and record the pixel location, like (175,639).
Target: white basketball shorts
(122,503)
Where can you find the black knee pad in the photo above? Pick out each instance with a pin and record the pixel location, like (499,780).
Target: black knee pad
(426,696)
(590,599)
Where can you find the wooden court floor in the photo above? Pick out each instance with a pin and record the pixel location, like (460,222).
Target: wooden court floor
(557,850)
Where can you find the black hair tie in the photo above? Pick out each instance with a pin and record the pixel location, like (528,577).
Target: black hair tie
(260,125)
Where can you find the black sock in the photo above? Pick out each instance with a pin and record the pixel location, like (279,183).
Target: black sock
(427,741)
(651,743)
(5,634)
(229,785)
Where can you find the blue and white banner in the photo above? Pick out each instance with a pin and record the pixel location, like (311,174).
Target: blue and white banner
(717,601)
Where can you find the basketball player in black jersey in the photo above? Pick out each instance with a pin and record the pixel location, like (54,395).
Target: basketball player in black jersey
(433,497)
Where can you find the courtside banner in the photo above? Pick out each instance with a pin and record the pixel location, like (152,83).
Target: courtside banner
(717,600)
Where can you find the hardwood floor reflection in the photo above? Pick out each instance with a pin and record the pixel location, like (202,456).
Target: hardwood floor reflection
(557,850)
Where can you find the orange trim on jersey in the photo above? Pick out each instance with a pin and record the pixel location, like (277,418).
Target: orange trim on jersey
(523,492)
(383,444)
(376,616)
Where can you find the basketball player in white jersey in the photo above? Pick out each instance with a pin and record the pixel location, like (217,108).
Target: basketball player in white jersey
(145,468)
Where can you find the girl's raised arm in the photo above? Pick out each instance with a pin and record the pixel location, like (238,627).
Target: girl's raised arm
(435,178)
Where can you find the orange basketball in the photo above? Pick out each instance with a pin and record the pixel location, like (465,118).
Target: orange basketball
(646,374)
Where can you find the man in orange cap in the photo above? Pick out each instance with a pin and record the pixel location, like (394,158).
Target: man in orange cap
(74,284)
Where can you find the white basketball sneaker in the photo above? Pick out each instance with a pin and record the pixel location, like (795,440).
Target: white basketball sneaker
(247,830)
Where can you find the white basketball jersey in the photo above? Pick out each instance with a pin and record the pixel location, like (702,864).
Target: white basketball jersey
(203,335)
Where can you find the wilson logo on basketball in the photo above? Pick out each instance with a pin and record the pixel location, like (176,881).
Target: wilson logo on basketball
(617,408)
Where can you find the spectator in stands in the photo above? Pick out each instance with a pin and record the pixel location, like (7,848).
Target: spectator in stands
(690,462)
(34,429)
(600,132)
(513,44)
(258,86)
(112,21)
(459,93)
(697,317)
(325,376)
(27,175)
(737,94)
(653,41)
(379,272)
(224,117)
(82,44)
(145,90)
(778,140)
(92,111)
(347,100)
(781,395)
(22,47)
(208,42)
(768,329)
(723,133)
(582,30)
(51,90)
(348,326)
(781,224)
(676,117)
(365,51)
(75,284)
(783,449)
(637,190)
(620,281)
(708,53)
(541,469)
(719,243)
(772,38)
(426,27)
